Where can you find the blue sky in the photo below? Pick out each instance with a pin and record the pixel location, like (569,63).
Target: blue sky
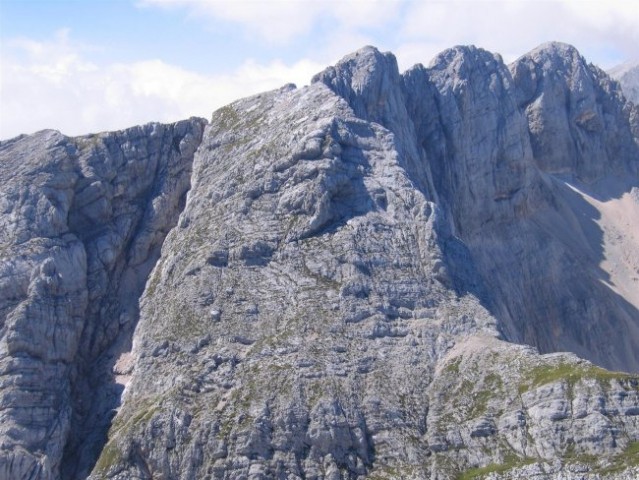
(82,66)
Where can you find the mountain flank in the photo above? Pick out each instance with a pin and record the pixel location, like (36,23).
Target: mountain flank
(428,274)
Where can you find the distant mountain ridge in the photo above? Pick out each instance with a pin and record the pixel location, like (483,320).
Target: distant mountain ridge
(627,74)
(349,280)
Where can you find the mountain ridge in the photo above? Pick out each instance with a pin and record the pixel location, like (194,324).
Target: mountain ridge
(281,337)
(627,74)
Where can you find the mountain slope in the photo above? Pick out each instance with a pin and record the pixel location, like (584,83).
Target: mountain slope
(345,288)
(627,74)
(82,223)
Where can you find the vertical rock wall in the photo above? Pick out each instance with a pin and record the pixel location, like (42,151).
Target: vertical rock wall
(82,223)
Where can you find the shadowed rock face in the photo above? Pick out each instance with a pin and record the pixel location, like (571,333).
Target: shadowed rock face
(82,223)
(337,297)
(627,75)
(503,145)
(575,114)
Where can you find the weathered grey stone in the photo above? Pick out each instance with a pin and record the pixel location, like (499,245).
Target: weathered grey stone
(82,222)
(627,74)
(338,294)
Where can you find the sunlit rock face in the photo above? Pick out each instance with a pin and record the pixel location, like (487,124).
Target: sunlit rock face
(356,285)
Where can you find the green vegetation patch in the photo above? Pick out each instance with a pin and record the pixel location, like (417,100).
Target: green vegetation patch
(110,456)
(510,461)
(627,459)
(453,366)
(572,373)
(614,465)
(140,414)
(226,117)
(492,384)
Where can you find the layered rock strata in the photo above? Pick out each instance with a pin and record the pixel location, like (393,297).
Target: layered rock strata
(82,221)
(348,283)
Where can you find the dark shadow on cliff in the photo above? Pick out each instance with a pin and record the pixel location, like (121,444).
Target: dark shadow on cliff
(100,372)
(97,391)
(546,282)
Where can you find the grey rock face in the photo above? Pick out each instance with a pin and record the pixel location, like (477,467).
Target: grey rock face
(337,242)
(338,294)
(304,344)
(82,222)
(503,147)
(551,416)
(627,74)
(575,114)
(474,137)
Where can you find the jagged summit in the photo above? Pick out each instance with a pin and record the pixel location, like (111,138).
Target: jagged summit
(463,56)
(348,280)
(368,80)
(627,74)
(555,49)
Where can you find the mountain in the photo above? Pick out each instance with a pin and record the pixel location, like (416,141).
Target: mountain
(627,74)
(370,277)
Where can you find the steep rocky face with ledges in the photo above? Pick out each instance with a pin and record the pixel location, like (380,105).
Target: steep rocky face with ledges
(82,223)
(627,74)
(347,287)
(506,148)
(304,312)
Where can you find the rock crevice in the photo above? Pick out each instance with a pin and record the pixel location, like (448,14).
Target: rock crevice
(83,220)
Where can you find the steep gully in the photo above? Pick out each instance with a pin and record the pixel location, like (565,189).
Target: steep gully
(83,222)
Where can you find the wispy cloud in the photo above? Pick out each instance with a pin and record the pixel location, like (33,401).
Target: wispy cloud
(600,30)
(61,83)
(282,21)
(53,84)
(425,27)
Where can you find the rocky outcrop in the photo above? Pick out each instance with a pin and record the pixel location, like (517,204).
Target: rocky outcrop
(297,341)
(506,148)
(575,113)
(627,74)
(337,242)
(82,223)
(551,416)
(345,290)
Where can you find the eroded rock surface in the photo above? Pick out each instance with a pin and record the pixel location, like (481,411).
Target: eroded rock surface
(627,74)
(346,286)
(82,223)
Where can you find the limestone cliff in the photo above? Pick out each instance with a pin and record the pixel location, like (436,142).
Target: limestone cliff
(348,286)
(82,221)
(627,74)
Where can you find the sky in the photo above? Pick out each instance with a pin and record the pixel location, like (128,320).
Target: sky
(84,66)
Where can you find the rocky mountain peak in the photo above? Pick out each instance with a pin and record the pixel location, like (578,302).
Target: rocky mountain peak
(369,81)
(627,74)
(557,53)
(576,114)
(462,60)
(348,280)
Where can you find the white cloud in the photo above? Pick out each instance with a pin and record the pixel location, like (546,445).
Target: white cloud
(52,85)
(57,84)
(276,21)
(513,27)
(605,32)
(283,20)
